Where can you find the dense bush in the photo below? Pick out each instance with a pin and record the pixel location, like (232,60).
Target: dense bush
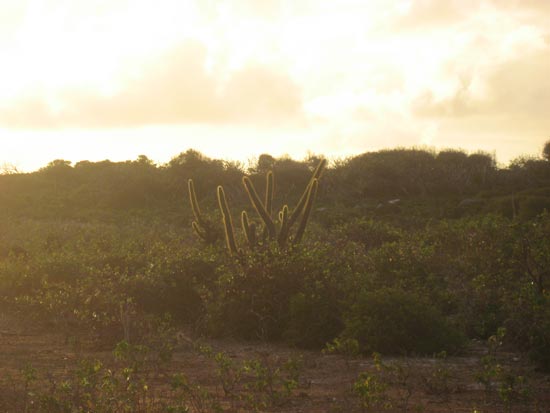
(394,321)
(272,294)
(369,233)
(531,206)
(174,285)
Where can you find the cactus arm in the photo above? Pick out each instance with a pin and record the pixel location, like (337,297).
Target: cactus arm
(269,193)
(249,230)
(307,211)
(302,202)
(194,203)
(259,207)
(268,201)
(299,208)
(245,223)
(227,222)
(201,226)
(318,170)
(283,234)
(198,231)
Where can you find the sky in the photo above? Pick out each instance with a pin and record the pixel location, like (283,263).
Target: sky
(113,79)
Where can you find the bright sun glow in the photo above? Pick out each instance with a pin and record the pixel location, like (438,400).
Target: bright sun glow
(112,79)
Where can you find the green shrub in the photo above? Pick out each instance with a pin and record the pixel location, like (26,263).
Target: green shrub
(529,325)
(293,295)
(314,319)
(393,321)
(174,285)
(251,297)
(506,206)
(369,233)
(531,206)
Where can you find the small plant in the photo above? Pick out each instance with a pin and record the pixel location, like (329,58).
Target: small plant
(372,388)
(257,383)
(271,383)
(29,377)
(438,381)
(191,397)
(348,347)
(133,355)
(513,389)
(228,373)
(510,388)
(372,393)
(397,373)
(127,311)
(490,368)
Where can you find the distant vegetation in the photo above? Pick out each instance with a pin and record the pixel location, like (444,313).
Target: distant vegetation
(99,189)
(407,251)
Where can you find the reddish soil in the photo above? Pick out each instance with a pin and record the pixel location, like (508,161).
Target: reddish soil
(326,381)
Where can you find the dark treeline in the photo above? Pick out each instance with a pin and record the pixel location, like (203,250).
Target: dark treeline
(461,182)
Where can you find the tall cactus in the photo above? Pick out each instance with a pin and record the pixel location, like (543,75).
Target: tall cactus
(303,209)
(274,231)
(302,202)
(306,212)
(259,207)
(249,230)
(269,185)
(283,233)
(269,193)
(202,227)
(227,222)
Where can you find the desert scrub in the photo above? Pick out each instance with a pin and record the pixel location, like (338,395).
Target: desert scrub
(251,298)
(393,321)
(291,295)
(513,389)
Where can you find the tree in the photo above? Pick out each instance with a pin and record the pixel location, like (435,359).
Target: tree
(58,168)
(58,164)
(144,160)
(8,169)
(265,164)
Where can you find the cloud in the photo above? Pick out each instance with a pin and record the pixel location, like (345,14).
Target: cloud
(533,5)
(510,115)
(267,9)
(257,93)
(177,89)
(517,88)
(11,15)
(428,14)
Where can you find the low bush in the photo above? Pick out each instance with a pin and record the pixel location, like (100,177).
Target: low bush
(393,321)
(293,295)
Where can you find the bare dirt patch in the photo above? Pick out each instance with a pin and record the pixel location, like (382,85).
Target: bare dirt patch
(323,382)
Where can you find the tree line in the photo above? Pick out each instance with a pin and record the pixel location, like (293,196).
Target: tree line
(368,179)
